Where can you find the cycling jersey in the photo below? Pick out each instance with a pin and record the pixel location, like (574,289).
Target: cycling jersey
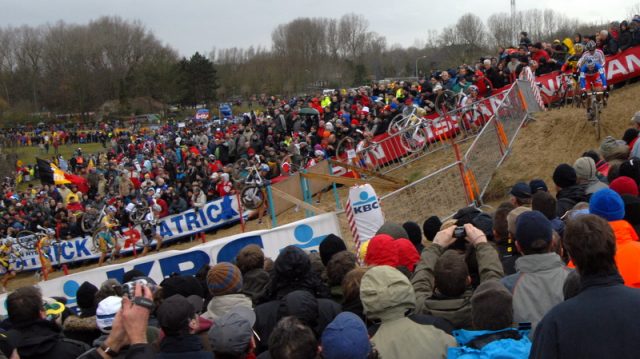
(598,56)
(4,255)
(595,75)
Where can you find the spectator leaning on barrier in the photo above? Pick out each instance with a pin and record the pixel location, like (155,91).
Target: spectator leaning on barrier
(441,279)
(537,286)
(603,304)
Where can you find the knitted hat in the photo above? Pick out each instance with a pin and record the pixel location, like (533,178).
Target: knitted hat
(585,168)
(491,306)
(86,297)
(393,229)
(329,246)
(564,176)
(607,204)
(414,232)
(431,226)
(224,278)
(106,312)
(624,185)
(465,215)
(521,190)
(612,149)
(513,216)
(346,337)
(537,185)
(532,226)
(408,255)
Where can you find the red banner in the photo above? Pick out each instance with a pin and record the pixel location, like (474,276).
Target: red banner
(619,68)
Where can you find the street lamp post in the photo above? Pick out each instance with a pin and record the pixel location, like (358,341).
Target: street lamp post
(418,59)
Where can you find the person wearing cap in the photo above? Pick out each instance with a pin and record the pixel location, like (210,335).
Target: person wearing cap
(178,320)
(537,285)
(520,195)
(493,335)
(232,336)
(602,320)
(586,173)
(609,205)
(32,334)
(568,191)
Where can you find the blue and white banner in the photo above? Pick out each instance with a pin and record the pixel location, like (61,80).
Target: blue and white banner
(306,234)
(214,214)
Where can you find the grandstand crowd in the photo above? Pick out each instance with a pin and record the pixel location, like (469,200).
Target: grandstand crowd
(551,273)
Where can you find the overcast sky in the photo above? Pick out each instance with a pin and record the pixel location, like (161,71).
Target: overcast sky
(200,25)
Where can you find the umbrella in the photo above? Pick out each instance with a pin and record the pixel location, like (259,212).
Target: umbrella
(308,111)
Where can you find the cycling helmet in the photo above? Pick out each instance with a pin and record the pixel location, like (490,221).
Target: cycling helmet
(579,48)
(474,88)
(591,45)
(111,209)
(157,208)
(264,167)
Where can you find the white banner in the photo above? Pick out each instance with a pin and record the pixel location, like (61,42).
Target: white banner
(305,234)
(214,214)
(365,211)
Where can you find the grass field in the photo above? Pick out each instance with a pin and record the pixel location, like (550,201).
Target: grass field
(28,154)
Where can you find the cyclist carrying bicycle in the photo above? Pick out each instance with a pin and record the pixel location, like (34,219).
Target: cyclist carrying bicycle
(107,240)
(149,229)
(9,273)
(593,74)
(467,102)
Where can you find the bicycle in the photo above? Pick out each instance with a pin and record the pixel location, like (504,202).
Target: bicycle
(137,211)
(251,195)
(91,219)
(448,101)
(13,259)
(29,239)
(595,108)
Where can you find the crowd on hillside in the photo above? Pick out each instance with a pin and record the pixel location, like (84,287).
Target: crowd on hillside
(533,279)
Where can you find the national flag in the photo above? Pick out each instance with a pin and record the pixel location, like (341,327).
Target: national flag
(51,174)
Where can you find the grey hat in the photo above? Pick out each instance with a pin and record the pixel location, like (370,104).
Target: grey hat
(636,118)
(231,334)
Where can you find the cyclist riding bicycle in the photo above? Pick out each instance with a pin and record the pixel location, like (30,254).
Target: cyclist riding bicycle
(592,74)
(106,238)
(9,273)
(592,51)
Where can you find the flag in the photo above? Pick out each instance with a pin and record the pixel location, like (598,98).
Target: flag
(51,174)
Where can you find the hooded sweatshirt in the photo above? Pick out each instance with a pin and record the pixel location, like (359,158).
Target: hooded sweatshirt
(387,296)
(587,173)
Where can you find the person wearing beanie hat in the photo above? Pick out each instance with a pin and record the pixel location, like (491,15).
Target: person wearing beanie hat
(346,337)
(624,185)
(415,234)
(250,260)
(586,174)
(329,246)
(441,279)
(387,297)
(225,284)
(492,315)
(431,227)
(185,285)
(537,285)
(612,149)
(392,229)
(609,205)
(83,327)
(537,185)
(568,191)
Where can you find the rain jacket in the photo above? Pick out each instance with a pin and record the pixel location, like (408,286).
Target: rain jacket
(455,310)
(43,339)
(387,296)
(627,252)
(536,287)
(485,344)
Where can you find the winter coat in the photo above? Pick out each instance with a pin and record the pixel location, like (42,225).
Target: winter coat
(569,197)
(43,339)
(255,283)
(485,344)
(292,271)
(387,296)
(625,39)
(317,313)
(536,287)
(220,305)
(181,347)
(627,252)
(456,310)
(81,329)
(602,321)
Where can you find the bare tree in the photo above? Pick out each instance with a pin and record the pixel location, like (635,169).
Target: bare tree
(500,29)
(353,35)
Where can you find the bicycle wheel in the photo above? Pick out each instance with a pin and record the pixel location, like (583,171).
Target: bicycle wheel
(240,169)
(345,145)
(595,111)
(27,240)
(396,124)
(103,238)
(414,141)
(252,197)
(138,214)
(88,222)
(446,102)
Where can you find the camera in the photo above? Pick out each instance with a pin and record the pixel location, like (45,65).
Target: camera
(130,287)
(459,233)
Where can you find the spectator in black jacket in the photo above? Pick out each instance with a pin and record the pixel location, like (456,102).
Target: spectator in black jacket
(603,302)
(609,44)
(625,38)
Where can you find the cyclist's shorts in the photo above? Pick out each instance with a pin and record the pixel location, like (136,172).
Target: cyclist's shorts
(105,240)
(5,267)
(148,232)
